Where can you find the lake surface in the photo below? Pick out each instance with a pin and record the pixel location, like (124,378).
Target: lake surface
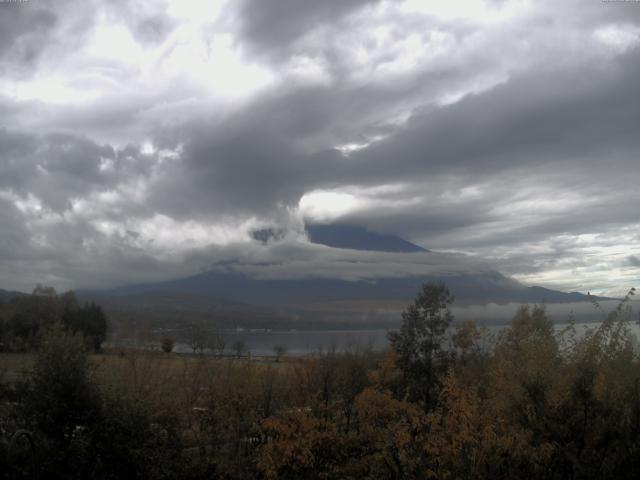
(300,343)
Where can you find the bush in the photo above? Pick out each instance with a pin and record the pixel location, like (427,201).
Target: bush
(129,443)
(81,432)
(167,344)
(62,396)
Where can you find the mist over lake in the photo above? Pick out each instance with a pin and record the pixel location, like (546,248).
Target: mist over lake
(493,317)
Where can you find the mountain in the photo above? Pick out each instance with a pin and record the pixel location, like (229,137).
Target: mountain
(230,296)
(358,238)
(230,299)
(230,286)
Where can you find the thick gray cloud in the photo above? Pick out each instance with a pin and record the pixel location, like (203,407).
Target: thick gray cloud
(24,32)
(146,139)
(273,26)
(556,127)
(14,233)
(61,168)
(32,33)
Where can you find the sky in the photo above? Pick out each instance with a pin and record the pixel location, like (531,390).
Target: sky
(147,140)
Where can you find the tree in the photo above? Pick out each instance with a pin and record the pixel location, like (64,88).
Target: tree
(44,291)
(24,327)
(464,437)
(62,396)
(89,320)
(28,315)
(418,344)
(239,347)
(95,325)
(84,431)
(197,339)
(465,339)
(279,350)
(352,367)
(167,344)
(217,343)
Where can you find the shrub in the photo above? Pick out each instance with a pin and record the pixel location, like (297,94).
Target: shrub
(167,344)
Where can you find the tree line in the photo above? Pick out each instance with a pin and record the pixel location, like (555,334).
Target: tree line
(25,318)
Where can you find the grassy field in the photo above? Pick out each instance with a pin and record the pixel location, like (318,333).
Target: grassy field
(138,366)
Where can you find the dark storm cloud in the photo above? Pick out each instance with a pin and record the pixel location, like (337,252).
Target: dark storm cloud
(270,27)
(554,119)
(58,168)
(552,124)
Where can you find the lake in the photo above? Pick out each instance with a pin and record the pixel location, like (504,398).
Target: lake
(300,343)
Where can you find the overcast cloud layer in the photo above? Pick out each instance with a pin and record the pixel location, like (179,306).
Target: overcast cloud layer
(145,140)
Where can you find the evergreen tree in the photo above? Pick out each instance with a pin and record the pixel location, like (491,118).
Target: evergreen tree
(418,344)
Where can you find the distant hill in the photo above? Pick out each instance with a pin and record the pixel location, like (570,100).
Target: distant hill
(230,286)
(230,300)
(6,295)
(358,238)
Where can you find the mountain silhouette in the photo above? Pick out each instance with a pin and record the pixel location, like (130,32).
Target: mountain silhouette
(358,238)
(227,284)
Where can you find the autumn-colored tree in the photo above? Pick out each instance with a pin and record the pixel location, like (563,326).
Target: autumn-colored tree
(466,339)
(351,379)
(390,438)
(387,375)
(469,439)
(301,446)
